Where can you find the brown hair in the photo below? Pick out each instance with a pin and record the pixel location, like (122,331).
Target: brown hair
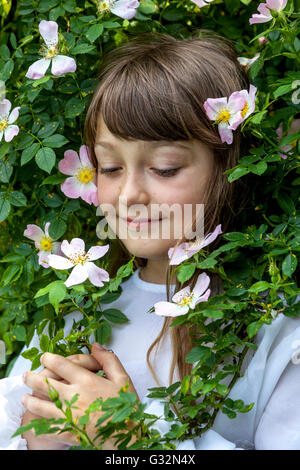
(153,87)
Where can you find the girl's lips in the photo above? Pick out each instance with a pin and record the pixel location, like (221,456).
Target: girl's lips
(140,222)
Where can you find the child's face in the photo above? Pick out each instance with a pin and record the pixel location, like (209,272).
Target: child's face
(137,181)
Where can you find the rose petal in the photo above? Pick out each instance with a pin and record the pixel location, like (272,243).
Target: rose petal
(11,132)
(77,244)
(43,259)
(59,262)
(71,187)
(33,232)
(38,69)
(203,298)
(225,133)
(62,64)
(180,294)
(14,115)
(96,252)
(5,106)
(96,275)
(201,285)
(125,9)
(168,309)
(49,32)
(88,192)
(78,275)
(85,156)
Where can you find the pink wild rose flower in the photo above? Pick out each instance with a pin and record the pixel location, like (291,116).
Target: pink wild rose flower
(125,9)
(43,242)
(7,128)
(184,300)
(265,11)
(83,176)
(187,249)
(61,64)
(77,258)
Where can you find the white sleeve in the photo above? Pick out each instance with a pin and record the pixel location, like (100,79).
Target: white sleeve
(12,389)
(279,426)
(210,440)
(11,412)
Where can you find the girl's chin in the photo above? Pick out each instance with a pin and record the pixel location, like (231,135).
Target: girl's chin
(148,248)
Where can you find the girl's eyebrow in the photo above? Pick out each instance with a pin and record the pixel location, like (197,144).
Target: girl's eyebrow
(159,143)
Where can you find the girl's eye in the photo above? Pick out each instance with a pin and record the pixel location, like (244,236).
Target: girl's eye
(170,172)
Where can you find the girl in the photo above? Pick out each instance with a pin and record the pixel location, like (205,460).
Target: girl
(152,143)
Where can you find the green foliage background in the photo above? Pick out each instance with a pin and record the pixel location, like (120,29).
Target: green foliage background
(263,256)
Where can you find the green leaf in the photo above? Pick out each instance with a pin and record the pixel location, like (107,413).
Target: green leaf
(57,293)
(237,173)
(29,153)
(83,49)
(111,24)
(30,353)
(259,286)
(147,7)
(54,179)
(48,129)
(185,385)
(172,13)
(289,264)
(19,332)
(258,169)
(4,208)
(45,159)
(94,32)
(74,107)
(57,228)
(282,90)
(253,328)
(6,170)
(55,141)
(198,353)
(4,149)
(16,198)
(115,316)
(186,271)
(103,333)
(44,343)
(122,414)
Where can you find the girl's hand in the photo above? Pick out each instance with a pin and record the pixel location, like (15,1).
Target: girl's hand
(41,442)
(87,384)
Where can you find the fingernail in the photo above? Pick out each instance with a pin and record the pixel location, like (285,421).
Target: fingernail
(99,346)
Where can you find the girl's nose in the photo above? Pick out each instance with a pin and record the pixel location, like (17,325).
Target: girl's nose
(134,189)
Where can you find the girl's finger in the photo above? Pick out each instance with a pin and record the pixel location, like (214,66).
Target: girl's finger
(111,365)
(42,408)
(85,360)
(39,385)
(66,369)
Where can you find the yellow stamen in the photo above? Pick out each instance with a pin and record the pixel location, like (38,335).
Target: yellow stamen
(223,115)
(86,174)
(3,124)
(245,109)
(79,258)
(46,244)
(186,300)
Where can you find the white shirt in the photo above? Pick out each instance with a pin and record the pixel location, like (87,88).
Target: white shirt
(271,379)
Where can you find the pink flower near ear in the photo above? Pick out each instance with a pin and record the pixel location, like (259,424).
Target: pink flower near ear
(225,113)
(78,259)
(184,300)
(264,10)
(123,8)
(187,249)
(7,129)
(295,127)
(61,64)
(43,242)
(83,180)
(249,101)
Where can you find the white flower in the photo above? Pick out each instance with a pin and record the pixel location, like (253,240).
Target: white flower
(7,119)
